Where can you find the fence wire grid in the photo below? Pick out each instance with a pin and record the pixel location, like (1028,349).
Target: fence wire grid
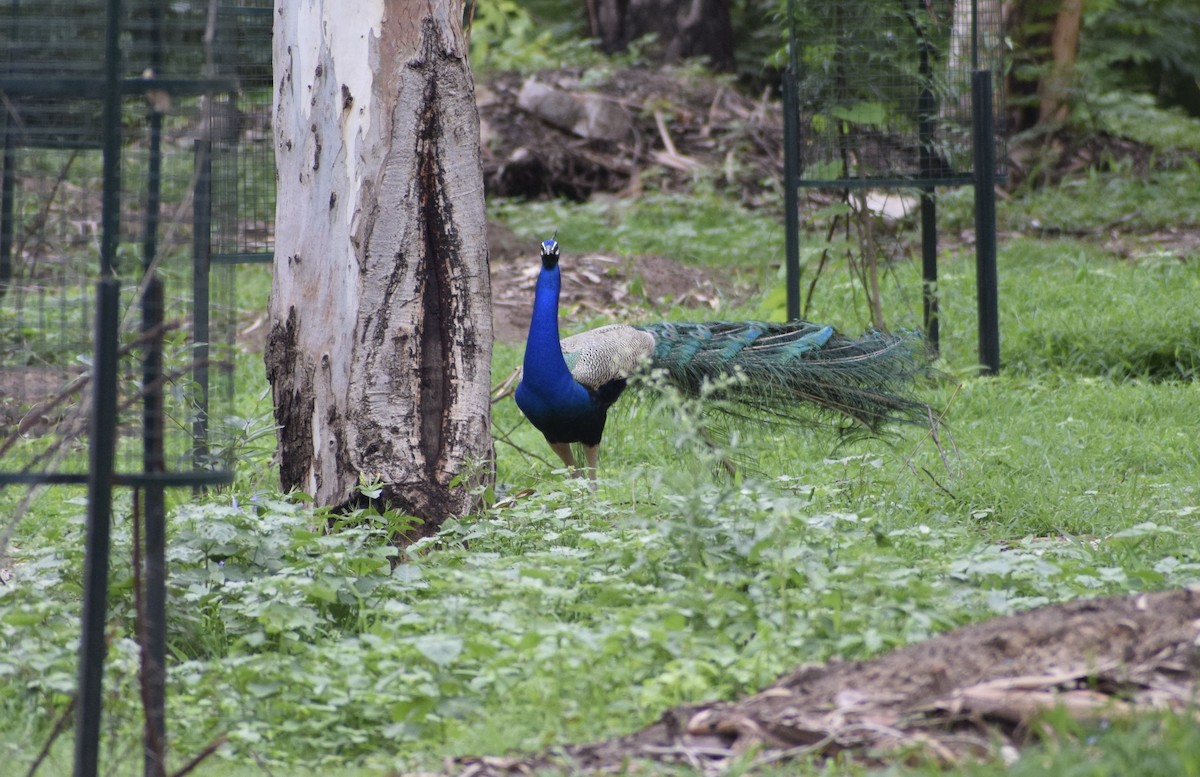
(196,196)
(883,89)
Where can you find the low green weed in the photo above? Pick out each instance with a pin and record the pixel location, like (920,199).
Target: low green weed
(557,616)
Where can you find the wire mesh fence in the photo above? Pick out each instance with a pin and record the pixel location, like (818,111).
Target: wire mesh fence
(896,94)
(134,140)
(195,184)
(883,89)
(243,162)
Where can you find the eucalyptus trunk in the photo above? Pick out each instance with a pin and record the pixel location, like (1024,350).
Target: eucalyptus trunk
(1055,87)
(380,344)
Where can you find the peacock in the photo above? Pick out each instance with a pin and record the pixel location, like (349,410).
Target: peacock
(766,371)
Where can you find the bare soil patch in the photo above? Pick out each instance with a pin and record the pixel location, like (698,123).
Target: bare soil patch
(28,399)
(628,288)
(967,694)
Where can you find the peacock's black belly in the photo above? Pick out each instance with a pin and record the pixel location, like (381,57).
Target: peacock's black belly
(581,420)
(585,428)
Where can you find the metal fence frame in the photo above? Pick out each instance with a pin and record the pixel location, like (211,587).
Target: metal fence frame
(103,472)
(983,173)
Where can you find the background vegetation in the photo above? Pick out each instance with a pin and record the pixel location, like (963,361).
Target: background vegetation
(559,615)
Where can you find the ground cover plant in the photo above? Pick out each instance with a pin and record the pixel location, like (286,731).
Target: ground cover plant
(306,643)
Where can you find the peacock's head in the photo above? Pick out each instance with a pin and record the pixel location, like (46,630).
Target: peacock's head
(550,253)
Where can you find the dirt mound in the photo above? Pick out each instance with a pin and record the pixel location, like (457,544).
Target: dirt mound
(963,695)
(570,133)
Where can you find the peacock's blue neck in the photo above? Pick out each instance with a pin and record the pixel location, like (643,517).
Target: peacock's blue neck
(545,367)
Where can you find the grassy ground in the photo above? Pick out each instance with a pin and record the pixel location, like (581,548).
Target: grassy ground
(558,615)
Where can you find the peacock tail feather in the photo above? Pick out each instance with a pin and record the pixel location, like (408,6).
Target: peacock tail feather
(776,368)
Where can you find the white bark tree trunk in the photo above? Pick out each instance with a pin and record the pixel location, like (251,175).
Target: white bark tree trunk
(379,353)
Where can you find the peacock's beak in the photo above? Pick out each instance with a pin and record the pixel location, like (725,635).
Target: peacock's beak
(549,253)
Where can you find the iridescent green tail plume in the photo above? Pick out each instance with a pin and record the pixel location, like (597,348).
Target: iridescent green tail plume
(780,370)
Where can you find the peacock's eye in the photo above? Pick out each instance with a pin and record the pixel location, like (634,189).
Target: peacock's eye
(550,247)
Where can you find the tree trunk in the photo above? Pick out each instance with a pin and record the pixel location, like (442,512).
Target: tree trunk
(379,352)
(1055,88)
(685,28)
(1045,37)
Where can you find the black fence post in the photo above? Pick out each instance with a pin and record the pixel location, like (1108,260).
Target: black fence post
(101,455)
(7,204)
(929,167)
(929,267)
(984,140)
(154,577)
(791,198)
(791,170)
(110,207)
(8,181)
(201,260)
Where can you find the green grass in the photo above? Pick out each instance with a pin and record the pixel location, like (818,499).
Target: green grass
(561,616)
(703,228)
(1150,746)
(1120,200)
(1136,116)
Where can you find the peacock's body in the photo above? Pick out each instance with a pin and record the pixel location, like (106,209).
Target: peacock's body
(772,369)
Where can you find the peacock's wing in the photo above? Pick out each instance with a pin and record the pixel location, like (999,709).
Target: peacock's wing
(610,353)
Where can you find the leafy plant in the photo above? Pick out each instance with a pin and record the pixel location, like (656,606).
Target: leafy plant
(1146,46)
